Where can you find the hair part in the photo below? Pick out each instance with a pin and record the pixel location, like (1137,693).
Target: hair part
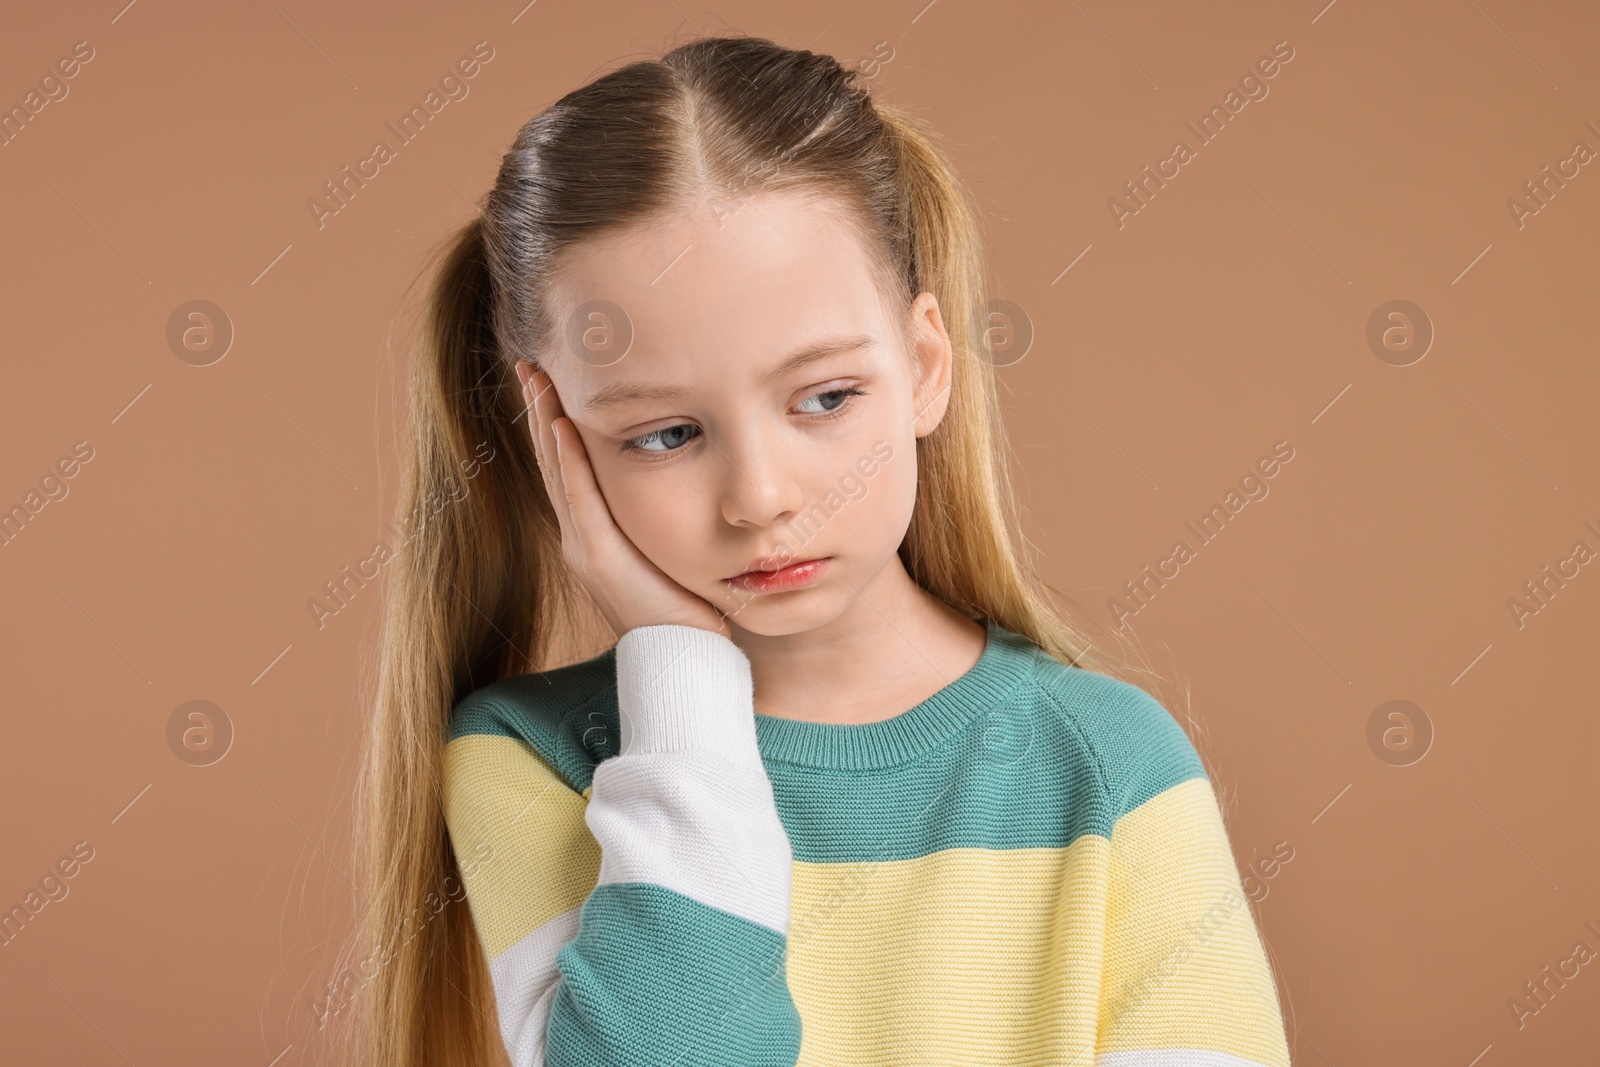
(481,592)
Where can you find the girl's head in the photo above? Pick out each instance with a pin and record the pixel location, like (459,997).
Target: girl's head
(689,224)
(690,229)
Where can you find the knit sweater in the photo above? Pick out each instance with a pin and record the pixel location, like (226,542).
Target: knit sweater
(1027,868)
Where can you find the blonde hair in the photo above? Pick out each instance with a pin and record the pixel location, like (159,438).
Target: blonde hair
(480,592)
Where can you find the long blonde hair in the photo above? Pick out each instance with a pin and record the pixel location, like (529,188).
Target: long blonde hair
(479,591)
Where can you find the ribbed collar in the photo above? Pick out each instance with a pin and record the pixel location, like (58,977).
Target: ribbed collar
(1008,660)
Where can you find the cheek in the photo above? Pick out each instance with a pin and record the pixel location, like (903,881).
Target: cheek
(644,512)
(875,508)
(659,514)
(895,486)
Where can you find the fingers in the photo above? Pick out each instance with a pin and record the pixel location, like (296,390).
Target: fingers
(576,487)
(585,503)
(533,390)
(543,407)
(569,480)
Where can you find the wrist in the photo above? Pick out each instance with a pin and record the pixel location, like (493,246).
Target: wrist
(682,688)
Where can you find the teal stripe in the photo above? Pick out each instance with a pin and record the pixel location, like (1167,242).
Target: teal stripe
(655,977)
(569,715)
(1021,777)
(1009,662)
(1066,753)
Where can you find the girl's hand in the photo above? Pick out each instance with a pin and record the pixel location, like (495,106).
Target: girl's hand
(629,590)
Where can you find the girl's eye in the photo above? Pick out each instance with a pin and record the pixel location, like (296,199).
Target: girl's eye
(671,439)
(671,436)
(838,408)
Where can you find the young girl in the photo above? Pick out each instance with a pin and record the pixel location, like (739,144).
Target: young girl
(845,790)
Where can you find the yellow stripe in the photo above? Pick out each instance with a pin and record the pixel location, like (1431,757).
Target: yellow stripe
(960,954)
(540,860)
(1185,964)
(1001,952)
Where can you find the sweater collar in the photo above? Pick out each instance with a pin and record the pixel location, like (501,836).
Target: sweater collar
(1008,660)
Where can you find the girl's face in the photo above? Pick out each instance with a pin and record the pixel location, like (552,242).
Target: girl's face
(767,407)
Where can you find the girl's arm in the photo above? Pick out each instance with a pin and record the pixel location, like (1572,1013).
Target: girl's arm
(658,935)
(1185,977)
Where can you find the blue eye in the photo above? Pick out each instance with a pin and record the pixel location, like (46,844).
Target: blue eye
(676,434)
(843,394)
(672,439)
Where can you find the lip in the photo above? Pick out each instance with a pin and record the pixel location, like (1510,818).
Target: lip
(796,575)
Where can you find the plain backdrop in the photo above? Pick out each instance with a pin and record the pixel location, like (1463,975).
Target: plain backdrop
(1173,346)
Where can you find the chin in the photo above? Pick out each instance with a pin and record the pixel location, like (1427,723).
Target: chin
(782,614)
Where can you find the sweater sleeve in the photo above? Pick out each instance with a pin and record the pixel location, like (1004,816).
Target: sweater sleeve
(1185,978)
(649,924)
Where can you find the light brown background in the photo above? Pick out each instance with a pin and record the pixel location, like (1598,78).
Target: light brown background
(1230,313)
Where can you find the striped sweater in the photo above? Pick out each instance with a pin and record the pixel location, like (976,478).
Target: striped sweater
(1027,868)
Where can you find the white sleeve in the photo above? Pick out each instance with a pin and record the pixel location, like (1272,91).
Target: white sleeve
(686,805)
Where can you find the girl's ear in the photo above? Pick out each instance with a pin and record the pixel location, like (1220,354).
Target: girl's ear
(931,357)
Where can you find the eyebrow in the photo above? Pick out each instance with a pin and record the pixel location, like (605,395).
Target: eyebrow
(828,346)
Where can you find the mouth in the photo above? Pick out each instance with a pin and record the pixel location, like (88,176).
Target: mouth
(795,576)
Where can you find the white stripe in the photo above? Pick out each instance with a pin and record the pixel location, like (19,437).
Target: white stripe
(684,689)
(698,824)
(1172,1057)
(687,803)
(525,980)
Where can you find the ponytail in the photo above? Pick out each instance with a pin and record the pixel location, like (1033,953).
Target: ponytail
(964,543)
(475,539)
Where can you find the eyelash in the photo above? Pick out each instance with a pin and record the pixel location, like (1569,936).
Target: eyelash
(653,454)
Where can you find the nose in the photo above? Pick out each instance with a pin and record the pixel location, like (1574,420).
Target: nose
(759,485)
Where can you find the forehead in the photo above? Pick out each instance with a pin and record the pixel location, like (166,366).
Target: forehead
(703,300)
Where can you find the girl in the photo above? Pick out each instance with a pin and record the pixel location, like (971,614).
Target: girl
(845,790)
